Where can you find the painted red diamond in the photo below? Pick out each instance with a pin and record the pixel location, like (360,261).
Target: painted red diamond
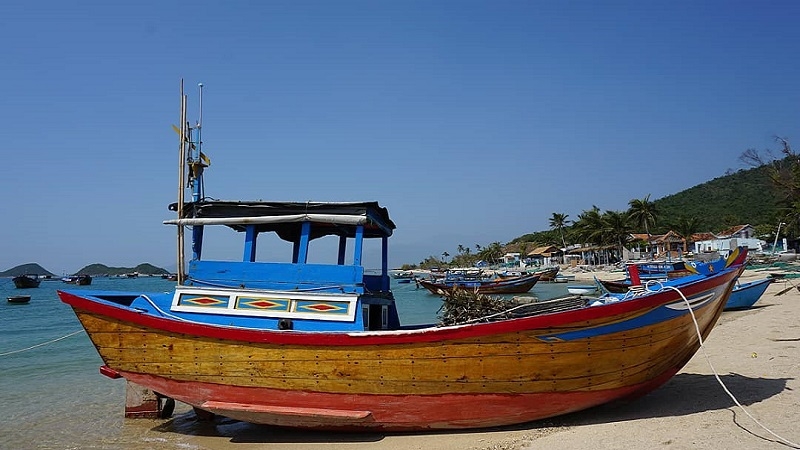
(205,300)
(263,304)
(322,307)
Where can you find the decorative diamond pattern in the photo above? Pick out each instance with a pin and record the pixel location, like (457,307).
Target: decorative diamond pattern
(320,307)
(274,304)
(205,301)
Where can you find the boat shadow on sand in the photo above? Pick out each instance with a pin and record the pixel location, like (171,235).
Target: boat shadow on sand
(684,394)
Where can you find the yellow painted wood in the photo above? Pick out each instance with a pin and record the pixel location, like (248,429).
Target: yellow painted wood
(516,362)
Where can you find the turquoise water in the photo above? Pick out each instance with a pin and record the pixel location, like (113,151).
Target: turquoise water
(53,396)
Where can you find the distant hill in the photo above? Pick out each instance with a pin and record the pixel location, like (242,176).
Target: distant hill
(102,269)
(743,197)
(30,268)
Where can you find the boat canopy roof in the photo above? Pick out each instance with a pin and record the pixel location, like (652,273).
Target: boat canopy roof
(286,218)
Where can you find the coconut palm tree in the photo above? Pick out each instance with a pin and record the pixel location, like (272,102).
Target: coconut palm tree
(617,228)
(589,226)
(643,212)
(686,227)
(557,222)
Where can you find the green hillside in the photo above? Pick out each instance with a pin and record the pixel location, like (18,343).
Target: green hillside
(30,268)
(102,269)
(744,197)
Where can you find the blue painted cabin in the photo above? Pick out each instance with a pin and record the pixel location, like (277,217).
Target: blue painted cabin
(295,295)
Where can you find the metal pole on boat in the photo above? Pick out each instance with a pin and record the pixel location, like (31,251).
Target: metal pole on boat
(198,187)
(777,233)
(198,190)
(181,185)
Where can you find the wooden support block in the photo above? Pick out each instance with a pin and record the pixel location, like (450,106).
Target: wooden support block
(143,403)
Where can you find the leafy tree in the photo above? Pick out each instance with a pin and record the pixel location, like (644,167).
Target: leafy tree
(617,228)
(589,226)
(643,212)
(686,227)
(557,222)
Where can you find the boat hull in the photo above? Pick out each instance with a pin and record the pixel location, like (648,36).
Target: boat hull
(26,282)
(19,299)
(468,376)
(746,295)
(519,285)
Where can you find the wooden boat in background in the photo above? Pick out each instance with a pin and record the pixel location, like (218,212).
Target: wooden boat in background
(518,285)
(80,280)
(548,274)
(744,296)
(26,281)
(322,346)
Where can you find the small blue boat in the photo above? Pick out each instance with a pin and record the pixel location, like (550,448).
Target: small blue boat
(745,295)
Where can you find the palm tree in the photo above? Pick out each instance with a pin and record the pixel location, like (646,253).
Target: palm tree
(617,228)
(686,227)
(559,221)
(589,226)
(643,212)
(444,256)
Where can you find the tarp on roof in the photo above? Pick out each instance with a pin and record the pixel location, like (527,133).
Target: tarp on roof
(286,218)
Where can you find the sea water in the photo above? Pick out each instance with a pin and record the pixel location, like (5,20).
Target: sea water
(52,395)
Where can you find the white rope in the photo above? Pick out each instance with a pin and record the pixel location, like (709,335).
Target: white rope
(716,375)
(40,345)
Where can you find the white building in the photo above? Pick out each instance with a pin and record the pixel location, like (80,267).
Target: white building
(723,242)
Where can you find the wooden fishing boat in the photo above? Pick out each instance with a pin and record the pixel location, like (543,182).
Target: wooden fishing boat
(518,285)
(80,280)
(744,296)
(19,298)
(314,345)
(614,286)
(26,281)
(548,274)
(661,272)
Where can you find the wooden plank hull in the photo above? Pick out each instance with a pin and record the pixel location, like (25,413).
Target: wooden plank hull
(467,376)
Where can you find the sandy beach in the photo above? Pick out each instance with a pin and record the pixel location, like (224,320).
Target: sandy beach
(755,352)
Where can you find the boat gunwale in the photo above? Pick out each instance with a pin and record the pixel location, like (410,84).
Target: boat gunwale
(546,323)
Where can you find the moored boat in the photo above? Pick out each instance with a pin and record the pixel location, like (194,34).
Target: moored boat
(80,280)
(26,281)
(314,345)
(511,285)
(549,273)
(19,298)
(582,289)
(744,296)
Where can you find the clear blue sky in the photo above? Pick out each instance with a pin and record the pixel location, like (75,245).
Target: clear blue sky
(472,121)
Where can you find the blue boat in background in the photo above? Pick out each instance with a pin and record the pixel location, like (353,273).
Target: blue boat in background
(744,296)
